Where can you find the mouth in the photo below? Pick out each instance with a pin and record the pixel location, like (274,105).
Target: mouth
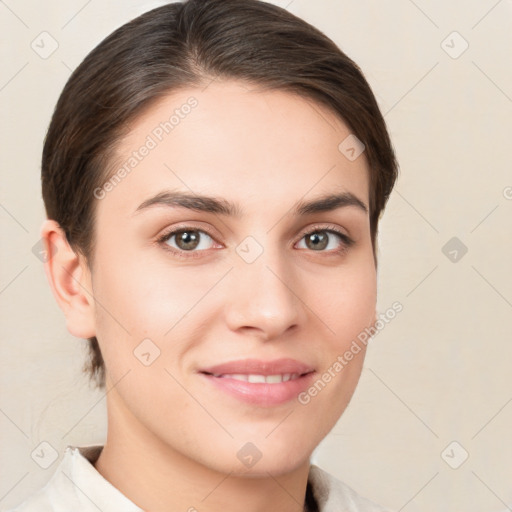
(255,378)
(263,383)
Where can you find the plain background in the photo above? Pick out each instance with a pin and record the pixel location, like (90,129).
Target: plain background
(439,373)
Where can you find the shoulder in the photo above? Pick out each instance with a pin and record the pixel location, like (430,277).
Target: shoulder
(47,498)
(56,493)
(39,501)
(63,491)
(77,485)
(332,494)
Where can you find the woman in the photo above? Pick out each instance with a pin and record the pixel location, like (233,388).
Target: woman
(213,177)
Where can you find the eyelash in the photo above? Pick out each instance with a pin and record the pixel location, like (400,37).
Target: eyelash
(347,242)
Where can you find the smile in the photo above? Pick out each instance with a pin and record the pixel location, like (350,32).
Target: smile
(261,379)
(260,390)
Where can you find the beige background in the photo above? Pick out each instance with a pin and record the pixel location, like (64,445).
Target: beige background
(438,373)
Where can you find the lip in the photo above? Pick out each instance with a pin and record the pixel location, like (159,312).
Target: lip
(257,366)
(262,394)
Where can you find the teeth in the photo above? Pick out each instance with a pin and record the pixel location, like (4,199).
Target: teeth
(254,379)
(260,379)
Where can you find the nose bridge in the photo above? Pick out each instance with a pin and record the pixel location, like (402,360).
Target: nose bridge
(263,295)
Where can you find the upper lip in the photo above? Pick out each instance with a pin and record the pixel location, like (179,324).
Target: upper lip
(259,367)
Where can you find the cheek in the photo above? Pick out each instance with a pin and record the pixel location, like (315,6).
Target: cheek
(346,308)
(142,298)
(146,296)
(347,305)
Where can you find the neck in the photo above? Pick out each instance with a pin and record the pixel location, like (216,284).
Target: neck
(156,476)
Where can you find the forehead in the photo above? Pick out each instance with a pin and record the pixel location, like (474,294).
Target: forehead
(233,140)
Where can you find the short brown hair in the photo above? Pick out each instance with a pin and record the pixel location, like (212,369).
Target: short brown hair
(187,44)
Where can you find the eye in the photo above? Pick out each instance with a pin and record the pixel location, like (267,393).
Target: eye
(324,240)
(186,240)
(193,241)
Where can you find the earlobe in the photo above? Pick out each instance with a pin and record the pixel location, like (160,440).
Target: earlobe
(69,278)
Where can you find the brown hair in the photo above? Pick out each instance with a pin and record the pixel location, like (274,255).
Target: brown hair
(187,44)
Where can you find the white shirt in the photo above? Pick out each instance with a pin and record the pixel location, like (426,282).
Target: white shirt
(77,486)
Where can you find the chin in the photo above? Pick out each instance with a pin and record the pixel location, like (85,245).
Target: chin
(259,458)
(262,469)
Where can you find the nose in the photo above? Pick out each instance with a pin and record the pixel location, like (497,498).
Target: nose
(264,297)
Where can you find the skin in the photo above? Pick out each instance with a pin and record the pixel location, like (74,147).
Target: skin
(172,440)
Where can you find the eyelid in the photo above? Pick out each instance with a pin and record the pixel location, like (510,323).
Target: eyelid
(327,227)
(184,227)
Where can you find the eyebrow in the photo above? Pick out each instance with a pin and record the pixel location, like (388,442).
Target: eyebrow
(221,206)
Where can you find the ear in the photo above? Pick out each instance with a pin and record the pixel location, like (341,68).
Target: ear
(70,280)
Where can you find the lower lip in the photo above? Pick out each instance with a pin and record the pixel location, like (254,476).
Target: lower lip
(260,393)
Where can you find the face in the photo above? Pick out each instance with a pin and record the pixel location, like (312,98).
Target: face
(216,316)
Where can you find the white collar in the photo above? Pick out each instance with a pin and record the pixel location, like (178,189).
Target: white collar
(77,485)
